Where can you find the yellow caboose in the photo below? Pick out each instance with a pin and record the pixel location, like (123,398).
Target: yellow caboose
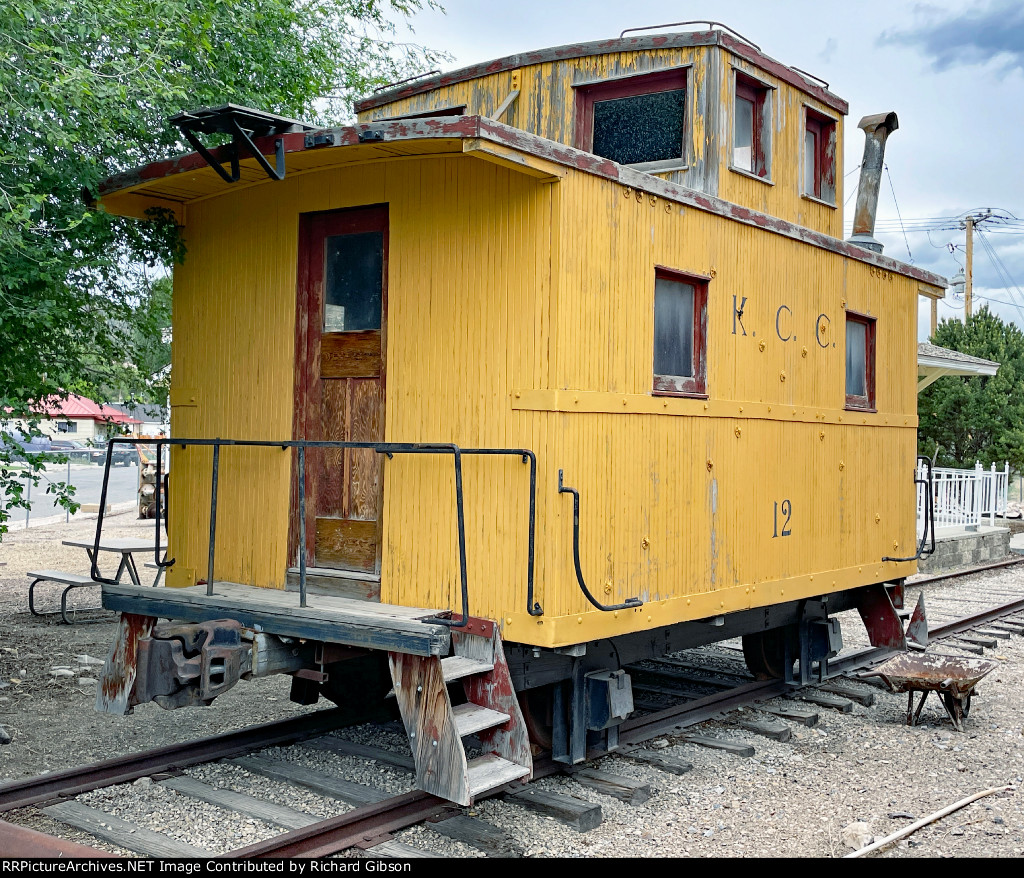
(549,354)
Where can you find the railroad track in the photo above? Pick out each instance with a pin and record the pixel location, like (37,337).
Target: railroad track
(675,695)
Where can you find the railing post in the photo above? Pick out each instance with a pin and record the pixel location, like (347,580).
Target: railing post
(978,505)
(302,524)
(213,518)
(991,496)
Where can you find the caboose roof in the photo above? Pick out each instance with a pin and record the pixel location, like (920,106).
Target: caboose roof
(650,43)
(175,183)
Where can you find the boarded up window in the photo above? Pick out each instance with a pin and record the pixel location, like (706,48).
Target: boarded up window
(680,324)
(636,120)
(353,277)
(645,128)
(860,361)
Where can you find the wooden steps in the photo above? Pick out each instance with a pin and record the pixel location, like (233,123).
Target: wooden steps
(472,718)
(490,772)
(436,728)
(455,667)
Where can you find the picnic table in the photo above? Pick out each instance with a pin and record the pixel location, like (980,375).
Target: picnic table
(127,548)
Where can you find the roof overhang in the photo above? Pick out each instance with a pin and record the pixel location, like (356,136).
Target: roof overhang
(934,363)
(175,183)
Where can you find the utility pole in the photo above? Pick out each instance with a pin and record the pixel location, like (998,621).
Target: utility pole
(969,272)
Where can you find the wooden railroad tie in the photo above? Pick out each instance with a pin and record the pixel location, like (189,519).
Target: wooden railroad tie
(626,789)
(823,699)
(993,631)
(396,850)
(793,714)
(865,699)
(240,803)
(662,761)
(978,640)
(475,833)
(737,748)
(969,647)
(1012,627)
(122,833)
(334,787)
(348,748)
(777,731)
(875,683)
(574,813)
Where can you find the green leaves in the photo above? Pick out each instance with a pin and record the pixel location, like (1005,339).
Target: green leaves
(971,419)
(86,89)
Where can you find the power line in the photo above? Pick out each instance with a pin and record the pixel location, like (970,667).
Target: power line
(1002,271)
(895,202)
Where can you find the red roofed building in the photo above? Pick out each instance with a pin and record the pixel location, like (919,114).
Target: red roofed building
(79,418)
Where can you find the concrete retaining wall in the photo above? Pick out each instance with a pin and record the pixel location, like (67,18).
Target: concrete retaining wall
(967,549)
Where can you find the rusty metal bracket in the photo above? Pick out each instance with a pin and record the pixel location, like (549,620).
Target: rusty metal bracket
(242,123)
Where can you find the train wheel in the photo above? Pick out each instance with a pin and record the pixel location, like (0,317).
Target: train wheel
(537,707)
(765,652)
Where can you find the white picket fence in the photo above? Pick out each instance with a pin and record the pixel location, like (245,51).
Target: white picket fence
(964,498)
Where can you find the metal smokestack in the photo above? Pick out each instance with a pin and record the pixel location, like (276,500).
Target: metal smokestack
(876,131)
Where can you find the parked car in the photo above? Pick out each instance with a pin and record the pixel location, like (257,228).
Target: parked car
(124,455)
(74,449)
(18,445)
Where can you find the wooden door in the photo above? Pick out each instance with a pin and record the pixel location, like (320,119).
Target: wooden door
(341,329)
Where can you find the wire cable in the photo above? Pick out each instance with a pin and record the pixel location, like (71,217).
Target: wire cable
(910,256)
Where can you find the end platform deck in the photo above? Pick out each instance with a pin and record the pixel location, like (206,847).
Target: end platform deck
(325,617)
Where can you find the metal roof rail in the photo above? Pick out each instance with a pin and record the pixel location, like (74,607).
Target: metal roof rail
(804,73)
(388,85)
(682,23)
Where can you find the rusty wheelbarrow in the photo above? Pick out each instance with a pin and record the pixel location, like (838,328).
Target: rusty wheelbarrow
(952,677)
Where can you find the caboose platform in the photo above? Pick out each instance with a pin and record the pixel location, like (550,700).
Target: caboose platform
(325,617)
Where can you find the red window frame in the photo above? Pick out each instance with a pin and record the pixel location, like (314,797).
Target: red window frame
(696,384)
(823,129)
(633,86)
(867,401)
(757,93)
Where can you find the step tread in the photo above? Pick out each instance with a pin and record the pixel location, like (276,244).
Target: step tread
(489,772)
(470,718)
(455,667)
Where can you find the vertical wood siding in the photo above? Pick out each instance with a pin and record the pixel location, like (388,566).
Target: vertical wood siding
(508,299)
(546,107)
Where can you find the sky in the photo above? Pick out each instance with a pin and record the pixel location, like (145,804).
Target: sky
(952,71)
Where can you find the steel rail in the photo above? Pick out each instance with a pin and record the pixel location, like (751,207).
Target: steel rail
(20,841)
(365,825)
(359,827)
(959,574)
(121,769)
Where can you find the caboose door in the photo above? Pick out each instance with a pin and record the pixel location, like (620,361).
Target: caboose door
(341,328)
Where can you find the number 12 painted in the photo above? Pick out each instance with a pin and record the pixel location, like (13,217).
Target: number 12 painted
(787,510)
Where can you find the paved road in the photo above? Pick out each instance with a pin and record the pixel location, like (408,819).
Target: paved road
(88,480)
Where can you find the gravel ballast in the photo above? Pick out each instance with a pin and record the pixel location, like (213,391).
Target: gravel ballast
(792,799)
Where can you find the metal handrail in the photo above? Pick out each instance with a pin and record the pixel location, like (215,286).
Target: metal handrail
(389,449)
(629,603)
(929,516)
